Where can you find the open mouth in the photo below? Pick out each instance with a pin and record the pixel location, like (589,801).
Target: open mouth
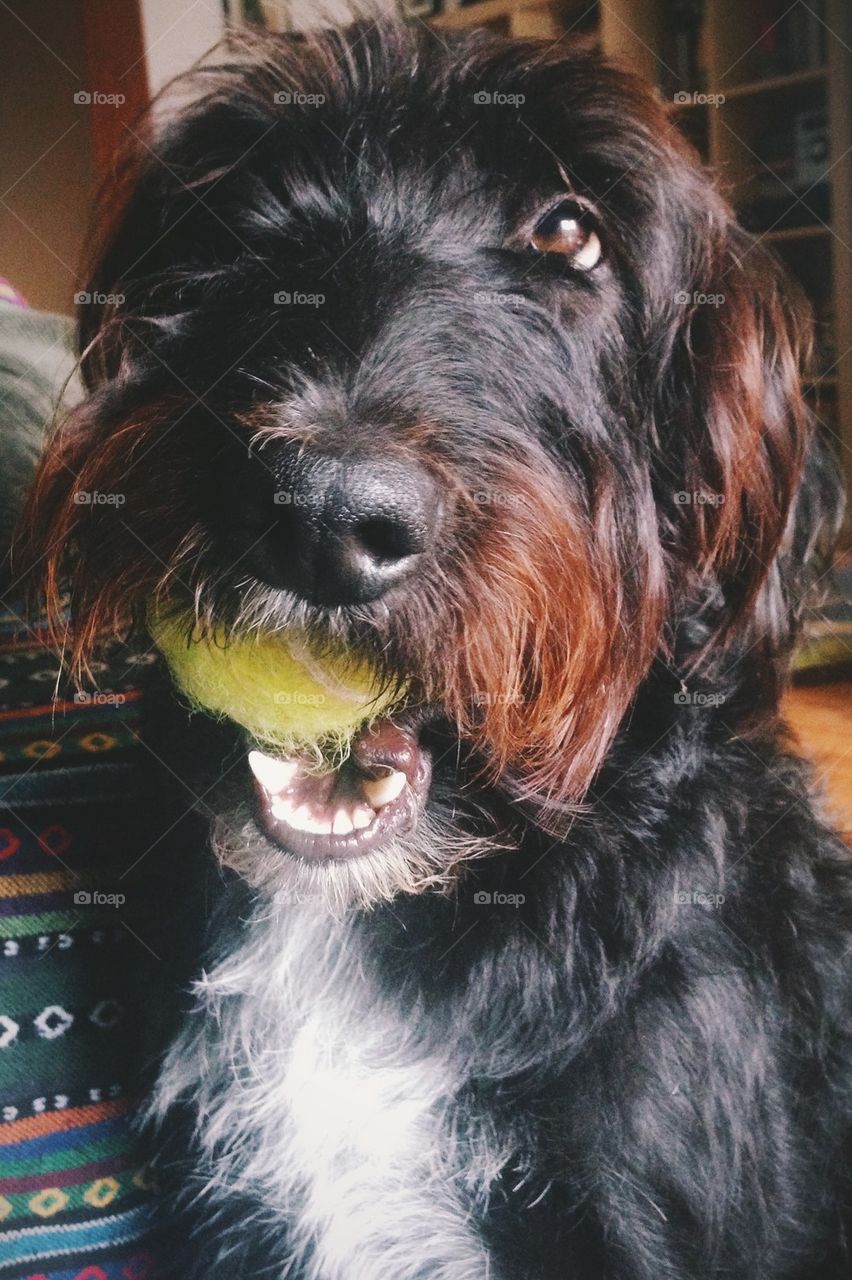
(377,793)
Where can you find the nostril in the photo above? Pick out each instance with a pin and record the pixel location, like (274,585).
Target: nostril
(334,529)
(385,540)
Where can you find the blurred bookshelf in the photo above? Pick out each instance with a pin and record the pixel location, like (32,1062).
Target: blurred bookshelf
(763,90)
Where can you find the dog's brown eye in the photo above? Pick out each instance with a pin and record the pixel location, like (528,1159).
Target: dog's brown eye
(569,230)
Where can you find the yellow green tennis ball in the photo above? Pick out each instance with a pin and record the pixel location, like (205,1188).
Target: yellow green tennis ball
(271,683)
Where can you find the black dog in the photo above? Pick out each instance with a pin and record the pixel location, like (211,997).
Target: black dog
(574,1001)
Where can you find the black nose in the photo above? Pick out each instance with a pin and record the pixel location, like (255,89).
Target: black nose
(344,530)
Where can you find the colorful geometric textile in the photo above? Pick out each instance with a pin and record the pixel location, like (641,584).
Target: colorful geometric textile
(75,815)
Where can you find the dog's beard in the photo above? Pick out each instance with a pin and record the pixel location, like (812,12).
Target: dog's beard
(431,856)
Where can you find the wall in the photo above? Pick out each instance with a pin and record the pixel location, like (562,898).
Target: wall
(47,175)
(302,14)
(176,35)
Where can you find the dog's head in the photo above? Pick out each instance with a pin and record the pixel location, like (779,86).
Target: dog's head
(452,353)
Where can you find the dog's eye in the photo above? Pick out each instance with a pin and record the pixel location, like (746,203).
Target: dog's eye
(569,230)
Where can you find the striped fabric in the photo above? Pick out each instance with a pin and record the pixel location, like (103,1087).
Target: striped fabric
(75,816)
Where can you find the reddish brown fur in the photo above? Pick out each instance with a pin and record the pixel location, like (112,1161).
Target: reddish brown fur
(535,643)
(122,552)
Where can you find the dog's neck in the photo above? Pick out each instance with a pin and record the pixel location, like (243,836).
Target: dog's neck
(312,1058)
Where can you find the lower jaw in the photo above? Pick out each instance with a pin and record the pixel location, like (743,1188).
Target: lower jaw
(378,794)
(394,819)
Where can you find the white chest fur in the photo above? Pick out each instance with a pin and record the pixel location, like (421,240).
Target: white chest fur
(318,1099)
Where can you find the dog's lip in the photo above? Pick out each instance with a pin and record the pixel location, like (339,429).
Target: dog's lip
(378,793)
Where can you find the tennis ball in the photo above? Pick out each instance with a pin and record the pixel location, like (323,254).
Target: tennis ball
(271,684)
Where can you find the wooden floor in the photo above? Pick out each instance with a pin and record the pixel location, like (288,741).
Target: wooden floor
(822,718)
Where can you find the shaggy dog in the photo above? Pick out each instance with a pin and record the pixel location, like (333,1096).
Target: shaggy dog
(451,353)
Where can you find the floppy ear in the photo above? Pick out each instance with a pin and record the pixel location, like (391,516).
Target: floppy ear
(94,525)
(734,434)
(166,239)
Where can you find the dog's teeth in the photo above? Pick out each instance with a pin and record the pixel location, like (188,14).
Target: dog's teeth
(300,818)
(342,824)
(362,817)
(320,826)
(282,808)
(273,775)
(305,819)
(381,791)
(310,822)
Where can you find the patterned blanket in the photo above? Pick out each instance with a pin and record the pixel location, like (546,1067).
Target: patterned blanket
(76,820)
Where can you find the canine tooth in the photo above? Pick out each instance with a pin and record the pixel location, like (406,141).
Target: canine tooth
(362,817)
(381,791)
(342,824)
(274,775)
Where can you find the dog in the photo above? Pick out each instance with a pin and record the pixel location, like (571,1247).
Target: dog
(575,1001)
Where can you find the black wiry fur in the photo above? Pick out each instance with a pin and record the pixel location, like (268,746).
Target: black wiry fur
(649,1056)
